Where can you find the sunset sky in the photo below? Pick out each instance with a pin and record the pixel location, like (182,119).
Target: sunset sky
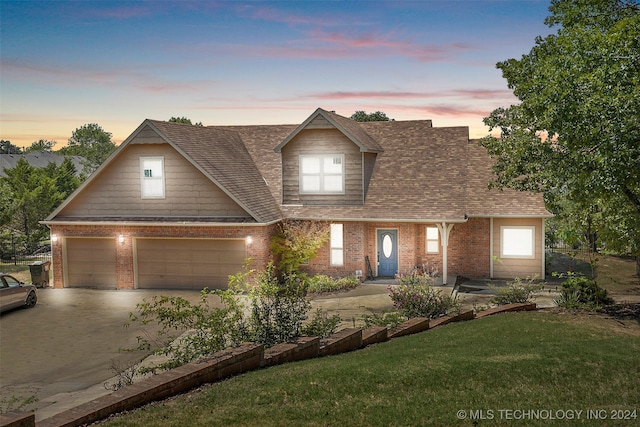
(68,63)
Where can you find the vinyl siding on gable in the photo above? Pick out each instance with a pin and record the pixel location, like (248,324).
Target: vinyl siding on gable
(326,141)
(188,192)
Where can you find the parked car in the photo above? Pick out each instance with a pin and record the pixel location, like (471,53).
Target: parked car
(14,293)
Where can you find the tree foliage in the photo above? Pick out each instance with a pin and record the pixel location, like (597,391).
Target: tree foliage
(30,194)
(297,242)
(91,142)
(183,120)
(6,147)
(362,116)
(41,145)
(575,135)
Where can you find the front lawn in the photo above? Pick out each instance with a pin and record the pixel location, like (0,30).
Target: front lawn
(488,371)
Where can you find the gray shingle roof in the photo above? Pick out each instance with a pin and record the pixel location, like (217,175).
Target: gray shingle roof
(37,159)
(222,155)
(421,173)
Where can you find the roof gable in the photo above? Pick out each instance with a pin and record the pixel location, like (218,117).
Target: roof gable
(350,128)
(221,155)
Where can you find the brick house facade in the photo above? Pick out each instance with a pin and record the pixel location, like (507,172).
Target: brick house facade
(180,206)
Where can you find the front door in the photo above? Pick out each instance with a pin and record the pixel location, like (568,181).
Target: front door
(387,253)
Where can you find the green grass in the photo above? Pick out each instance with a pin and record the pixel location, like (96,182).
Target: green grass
(528,361)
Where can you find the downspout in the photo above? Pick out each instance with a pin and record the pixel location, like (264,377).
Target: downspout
(444,230)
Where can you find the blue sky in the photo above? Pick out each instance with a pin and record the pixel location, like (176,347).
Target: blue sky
(67,63)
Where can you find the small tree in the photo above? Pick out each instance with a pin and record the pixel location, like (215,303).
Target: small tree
(296,242)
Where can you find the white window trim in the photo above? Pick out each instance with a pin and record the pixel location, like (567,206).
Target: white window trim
(336,247)
(143,178)
(321,174)
(427,240)
(532,228)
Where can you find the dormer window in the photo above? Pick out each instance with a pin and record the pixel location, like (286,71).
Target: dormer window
(152,177)
(322,174)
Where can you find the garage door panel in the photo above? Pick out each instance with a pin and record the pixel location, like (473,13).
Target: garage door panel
(188,263)
(91,263)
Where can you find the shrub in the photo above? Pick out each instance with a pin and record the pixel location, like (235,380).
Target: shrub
(278,309)
(203,329)
(414,297)
(322,283)
(517,291)
(322,325)
(580,291)
(386,318)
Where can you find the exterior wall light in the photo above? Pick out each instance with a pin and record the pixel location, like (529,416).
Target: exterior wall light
(54,238)
(121,239)
(249,240)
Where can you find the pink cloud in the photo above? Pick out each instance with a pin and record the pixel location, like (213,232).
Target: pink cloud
(456,93)
(78,76)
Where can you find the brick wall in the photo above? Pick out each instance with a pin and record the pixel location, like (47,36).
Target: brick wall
(258,249)
(468,252)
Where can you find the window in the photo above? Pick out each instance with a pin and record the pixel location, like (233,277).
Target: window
(432,240)
(152,177)
(517,242)
(337,245)
(322,174)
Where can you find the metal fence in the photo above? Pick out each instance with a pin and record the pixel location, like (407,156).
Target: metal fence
(11,254)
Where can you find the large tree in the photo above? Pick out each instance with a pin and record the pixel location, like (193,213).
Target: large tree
(32,196)
(41,145)
(6,147)
(91,142)
(575,135)
(363,116)
(183,120)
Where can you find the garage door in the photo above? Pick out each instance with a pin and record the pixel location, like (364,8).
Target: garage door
(91,263)
(187,263)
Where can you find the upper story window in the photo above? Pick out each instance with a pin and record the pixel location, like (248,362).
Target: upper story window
(322,174)
(432,240)
(152,177)
(517,242)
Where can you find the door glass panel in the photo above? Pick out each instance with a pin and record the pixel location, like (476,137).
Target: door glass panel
(387,246)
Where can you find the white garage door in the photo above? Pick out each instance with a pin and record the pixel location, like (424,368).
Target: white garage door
(91,263)
(187,263)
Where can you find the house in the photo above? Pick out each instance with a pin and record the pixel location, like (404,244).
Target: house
(38,159)
(181,206)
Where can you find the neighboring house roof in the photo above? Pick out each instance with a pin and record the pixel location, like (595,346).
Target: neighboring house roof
(37,159)
(421,173)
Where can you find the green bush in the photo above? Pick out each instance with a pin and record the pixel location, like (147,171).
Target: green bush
(321,325)
(322,283)
(278,309)
(413,296)
(517,291)
(202,329)
(385,318)
(580,291)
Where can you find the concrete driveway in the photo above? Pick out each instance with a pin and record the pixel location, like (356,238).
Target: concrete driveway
(61,351)
(67,342)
